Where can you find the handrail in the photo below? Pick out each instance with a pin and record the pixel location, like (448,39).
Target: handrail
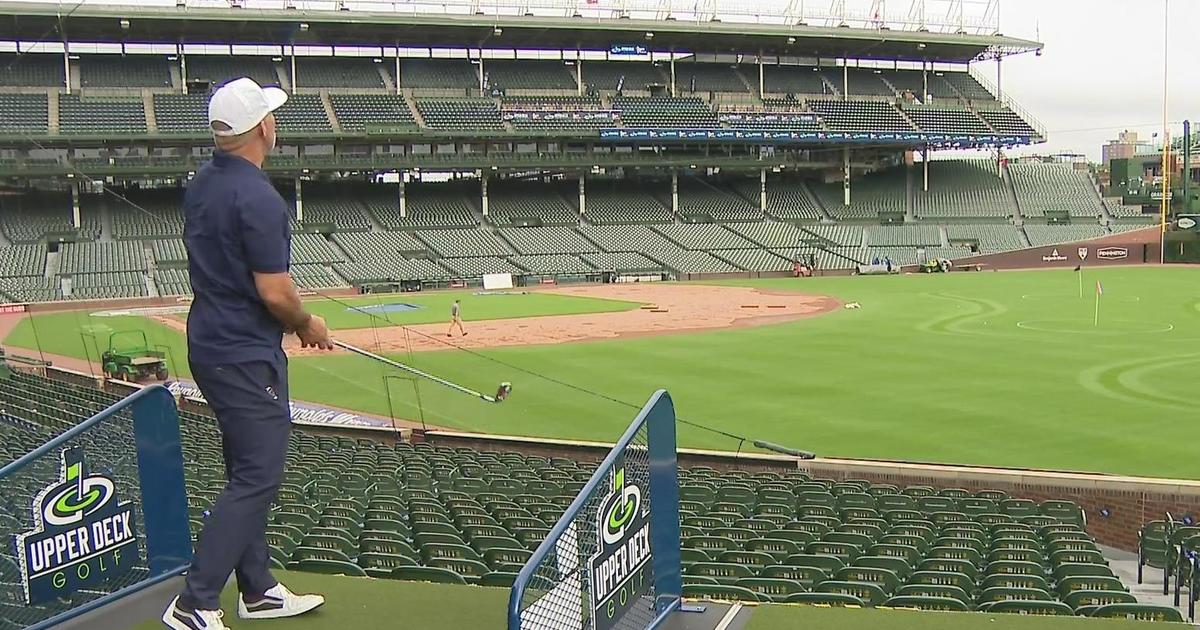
(1007,100)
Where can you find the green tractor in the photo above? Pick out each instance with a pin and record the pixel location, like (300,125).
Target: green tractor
(130,358)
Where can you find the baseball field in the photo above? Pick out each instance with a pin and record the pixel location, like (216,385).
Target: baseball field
(1006,369)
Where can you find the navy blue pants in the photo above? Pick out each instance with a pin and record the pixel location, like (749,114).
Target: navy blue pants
(250,401)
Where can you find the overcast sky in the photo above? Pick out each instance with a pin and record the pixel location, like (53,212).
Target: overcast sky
(1101,71)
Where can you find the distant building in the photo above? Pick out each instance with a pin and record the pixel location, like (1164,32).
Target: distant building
(1124,147)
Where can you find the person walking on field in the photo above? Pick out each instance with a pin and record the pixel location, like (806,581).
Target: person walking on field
(456,320)
(238,243)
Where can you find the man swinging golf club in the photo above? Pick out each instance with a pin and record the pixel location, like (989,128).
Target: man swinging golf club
(238,242)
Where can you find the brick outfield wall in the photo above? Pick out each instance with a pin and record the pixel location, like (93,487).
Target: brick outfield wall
(1131,502)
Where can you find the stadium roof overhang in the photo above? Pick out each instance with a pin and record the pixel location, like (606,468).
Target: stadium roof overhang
(112,23)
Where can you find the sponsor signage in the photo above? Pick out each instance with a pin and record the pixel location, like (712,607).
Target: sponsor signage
(628,49)
(620,577)
(1186,223)
(1083,253)
(83,534)
(302,413)
(759,135)
(1053,256)
(6,309)
(1112,253)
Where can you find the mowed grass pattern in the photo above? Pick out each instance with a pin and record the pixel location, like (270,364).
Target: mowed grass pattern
(1002,369)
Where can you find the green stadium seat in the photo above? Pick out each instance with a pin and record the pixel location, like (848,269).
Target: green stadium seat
(1140,612)
(826,599)
(943,578)
(771,589)
(885,579)
(381,565)
(1005,593)
(808,576)
(328,567)
(935,590)
(866,592)
(498,579)
(1030,607)
(920,602)
(1079,599)
(1008,580)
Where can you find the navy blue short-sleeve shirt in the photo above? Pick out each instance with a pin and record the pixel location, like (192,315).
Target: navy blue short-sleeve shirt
(235,224)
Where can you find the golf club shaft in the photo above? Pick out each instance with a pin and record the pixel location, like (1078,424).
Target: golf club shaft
(411,370)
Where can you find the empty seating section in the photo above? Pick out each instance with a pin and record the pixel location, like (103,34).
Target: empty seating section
(785,199)
(546,240)
(334,205)
(931,84)
(463,243)
(438,74)
(709,77)
(514,202)
(622,262)
(692,261)
(794,80)
(98,257)
(865,116)
(1043,188)
(315,277)
(612,202)
(967,86)
(391,269)
(331,72)
(466,114)
(1006,122)
(704,237)
(107,286)
(181,113)
(627,238)
(32,70)
(169,251)
(30,289)
(699,197)
(124,71)
(30,217)
(988,238)
(151,214)
(553,264)
(885,191)
(754,259)
(377,246)
(511,74)
(172,282)
(303,113)
(858,81)
(476,266)
(1117,228)
(944,120)
(665,111)
(963,189)
(313,249)
(772,235)
(356,111)
(903,235)
(847,235)
(22,260)
(121,116)
(218,69)
(556,112)
(23,114)
(626,75)
(1055,234)
(1119,210)
(427,205)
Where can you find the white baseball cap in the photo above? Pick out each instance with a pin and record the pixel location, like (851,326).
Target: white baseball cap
(241,104)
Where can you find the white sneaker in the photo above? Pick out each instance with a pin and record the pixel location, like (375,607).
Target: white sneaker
(177,619)
(279,602)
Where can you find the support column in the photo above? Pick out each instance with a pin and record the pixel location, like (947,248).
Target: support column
(675,192)
(845,78)
(299,200)
(182,66)
(924,82)
(483,188)
(482,74)
(292,67)
(999,86)
(673,73)
(846,176)
(761,82)
(398,69)
(925,164)
(582,197)
(67,64)
(76,221)
(579,72)
(403,196)
(762,189)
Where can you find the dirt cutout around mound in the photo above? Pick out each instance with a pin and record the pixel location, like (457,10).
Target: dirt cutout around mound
(666,309)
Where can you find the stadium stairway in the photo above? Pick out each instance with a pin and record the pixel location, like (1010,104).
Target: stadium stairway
(328,105)
(1018,217)
(52,110)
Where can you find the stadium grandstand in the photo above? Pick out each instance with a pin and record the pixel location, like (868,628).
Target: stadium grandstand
(534,151)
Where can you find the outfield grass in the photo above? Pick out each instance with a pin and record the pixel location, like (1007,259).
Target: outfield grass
(1000,369)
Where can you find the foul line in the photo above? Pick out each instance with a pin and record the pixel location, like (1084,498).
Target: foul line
(1025,324)
(730,615)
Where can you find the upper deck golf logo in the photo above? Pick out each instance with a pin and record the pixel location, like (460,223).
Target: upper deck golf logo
(619,571)
(82,534)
